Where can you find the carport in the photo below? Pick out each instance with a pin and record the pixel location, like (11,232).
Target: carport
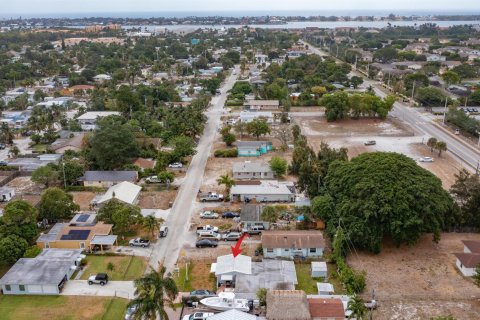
(103,241)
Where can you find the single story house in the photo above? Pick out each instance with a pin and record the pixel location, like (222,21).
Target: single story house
(233,314)
(106,179)
(82,232)
(253,148)
(261,105)
(326,309)
(293,244)
(269,274)
(125,191)
(263,191)
(35,162)
(74,144)
(248,116)
(45,274)
(469,259)
(252,170)
(100,78)
(228,267)
(251,215)
(6,194)
(88,120)
(287,305)
(319,269)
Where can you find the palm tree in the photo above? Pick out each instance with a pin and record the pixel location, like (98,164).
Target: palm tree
(227,181)
(432,143)
(441,146)
(153,293)
(151,223)
(357,307)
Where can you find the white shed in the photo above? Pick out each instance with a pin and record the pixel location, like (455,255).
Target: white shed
(325,288)
(319,269)
(6,194)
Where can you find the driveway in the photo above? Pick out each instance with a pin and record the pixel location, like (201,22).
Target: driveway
(167,251)
(122,289)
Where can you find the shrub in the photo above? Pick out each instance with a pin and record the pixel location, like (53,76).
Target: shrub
(226,153)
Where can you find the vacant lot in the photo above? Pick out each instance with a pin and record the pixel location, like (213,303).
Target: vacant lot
(61,308)
(199,276)
(83,199)
(156,199)
(390,136)
(124,267)
(420,281)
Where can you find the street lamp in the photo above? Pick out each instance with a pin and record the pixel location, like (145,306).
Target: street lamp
(64,178)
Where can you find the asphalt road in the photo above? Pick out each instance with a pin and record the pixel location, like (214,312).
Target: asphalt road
(167,250)
(422,124)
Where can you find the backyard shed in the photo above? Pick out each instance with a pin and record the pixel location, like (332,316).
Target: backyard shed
(319,269)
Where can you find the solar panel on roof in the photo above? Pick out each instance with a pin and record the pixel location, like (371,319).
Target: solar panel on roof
(76,235)
(83,218)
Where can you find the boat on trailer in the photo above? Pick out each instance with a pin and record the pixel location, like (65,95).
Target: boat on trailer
(226,301)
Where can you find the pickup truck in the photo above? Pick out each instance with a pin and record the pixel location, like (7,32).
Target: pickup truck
(206,228)
(139,242)
(253,230)
(210,196)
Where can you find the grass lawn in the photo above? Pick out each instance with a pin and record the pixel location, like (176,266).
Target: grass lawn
(333,279)
(38,148)
(61,308)
(124,267)
(305,281)
(199,277)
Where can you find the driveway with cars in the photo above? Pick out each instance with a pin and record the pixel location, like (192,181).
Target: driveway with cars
(122,289)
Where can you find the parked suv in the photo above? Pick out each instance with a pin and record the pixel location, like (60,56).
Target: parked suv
(100,278)
(163,232)
(232,236)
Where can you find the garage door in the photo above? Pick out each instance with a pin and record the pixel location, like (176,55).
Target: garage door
(33,288)
(50,289)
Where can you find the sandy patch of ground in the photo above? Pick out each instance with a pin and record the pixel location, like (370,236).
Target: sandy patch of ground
(24,185)
(83,199)
(157,199)
(420,281)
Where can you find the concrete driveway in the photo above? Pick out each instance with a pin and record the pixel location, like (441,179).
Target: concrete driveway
(123,289)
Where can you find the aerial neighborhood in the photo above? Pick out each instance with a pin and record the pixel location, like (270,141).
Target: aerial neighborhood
(264,167)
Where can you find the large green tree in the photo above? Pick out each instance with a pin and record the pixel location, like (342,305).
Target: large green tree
(12,248)
(377,195)
(466,192)
(258,127)
(56,204)
(19,218)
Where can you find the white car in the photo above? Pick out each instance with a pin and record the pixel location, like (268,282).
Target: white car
(426,159)
(198,316)
(175,165)
(209,215)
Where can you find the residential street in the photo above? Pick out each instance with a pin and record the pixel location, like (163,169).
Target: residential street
(422,124)
(167,250)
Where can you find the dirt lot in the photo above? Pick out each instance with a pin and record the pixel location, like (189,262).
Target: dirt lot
(390,136)
(83,199)
(421,281)
(157,199)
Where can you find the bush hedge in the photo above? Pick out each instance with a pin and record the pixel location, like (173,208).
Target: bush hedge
(226,153)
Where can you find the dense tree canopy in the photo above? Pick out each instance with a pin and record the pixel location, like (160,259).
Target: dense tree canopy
(383,194)
(56,204)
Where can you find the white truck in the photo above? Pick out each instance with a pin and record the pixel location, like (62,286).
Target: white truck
(210,196)
(206,228)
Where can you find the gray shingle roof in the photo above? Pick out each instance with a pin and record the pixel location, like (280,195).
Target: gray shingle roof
(116,176)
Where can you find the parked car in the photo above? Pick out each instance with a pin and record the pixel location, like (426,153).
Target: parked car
(371,304)
(202,293)
(206,243)
(210,235)
(3,163)
(253,230)
(163,232)
(152,179)
(130,313)
(230,215)
(175,165)
(426,159)
(370,143)
(457,132)
(232,236)
(198,316)
(100,278)
(209,215)
(2,146)
(139,242)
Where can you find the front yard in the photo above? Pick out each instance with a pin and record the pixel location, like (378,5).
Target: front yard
(199,276)
(124,267)
(61,308)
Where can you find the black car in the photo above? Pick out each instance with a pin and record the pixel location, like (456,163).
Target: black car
(206,243)
(3,163)
(230,215)
(2,146)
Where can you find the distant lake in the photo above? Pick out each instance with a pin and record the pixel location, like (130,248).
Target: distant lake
(306,24)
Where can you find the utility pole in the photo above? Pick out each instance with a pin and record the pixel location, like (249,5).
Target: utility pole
(445,110)
(413,88)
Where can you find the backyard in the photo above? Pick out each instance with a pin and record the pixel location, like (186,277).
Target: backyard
(309,284)
(124,267)
(61,308)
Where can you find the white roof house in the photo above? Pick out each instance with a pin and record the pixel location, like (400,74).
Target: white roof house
(229,264)
(264,191)
(124,191)
(233,314)
(102,77)
(252,170)
(88,120)
(248,116)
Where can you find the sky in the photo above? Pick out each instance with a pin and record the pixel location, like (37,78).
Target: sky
(132,6)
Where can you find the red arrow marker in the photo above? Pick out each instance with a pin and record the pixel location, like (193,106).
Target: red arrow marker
(236,250)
